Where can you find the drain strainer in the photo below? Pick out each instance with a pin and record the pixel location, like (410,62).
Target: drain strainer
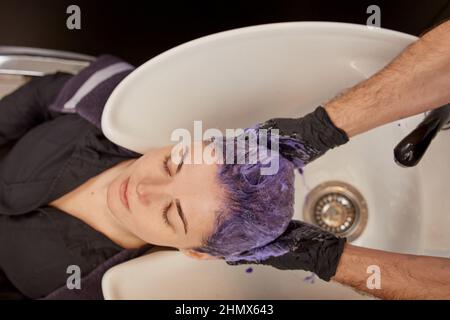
(337,207)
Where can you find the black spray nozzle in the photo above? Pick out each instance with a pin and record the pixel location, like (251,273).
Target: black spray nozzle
(411,149)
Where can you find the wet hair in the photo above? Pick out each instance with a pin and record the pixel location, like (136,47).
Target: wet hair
(257,208)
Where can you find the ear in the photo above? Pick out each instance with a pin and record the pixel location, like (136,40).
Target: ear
(198,255)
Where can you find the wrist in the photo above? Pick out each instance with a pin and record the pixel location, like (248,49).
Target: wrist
(317,129)
(330,256)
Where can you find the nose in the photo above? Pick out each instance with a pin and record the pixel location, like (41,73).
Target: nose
(149,192)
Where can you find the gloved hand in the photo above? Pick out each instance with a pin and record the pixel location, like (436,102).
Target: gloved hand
(315,133)
(310,248)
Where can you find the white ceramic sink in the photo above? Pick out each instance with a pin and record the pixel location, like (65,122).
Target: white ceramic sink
(238,78)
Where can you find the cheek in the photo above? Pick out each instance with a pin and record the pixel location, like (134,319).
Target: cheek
(151,158)
(152,230)
(142,166)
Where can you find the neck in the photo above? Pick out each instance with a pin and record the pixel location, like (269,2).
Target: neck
(88,203)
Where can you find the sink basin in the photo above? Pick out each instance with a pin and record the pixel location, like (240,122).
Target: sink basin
(240,77)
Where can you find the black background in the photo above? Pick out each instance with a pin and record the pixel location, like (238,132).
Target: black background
(139,30)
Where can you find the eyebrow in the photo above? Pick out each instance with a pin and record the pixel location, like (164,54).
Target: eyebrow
(181,214)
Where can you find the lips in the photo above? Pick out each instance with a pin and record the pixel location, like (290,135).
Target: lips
(124,193)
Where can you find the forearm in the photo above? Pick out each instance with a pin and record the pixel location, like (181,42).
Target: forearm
(402,276)
(416,81)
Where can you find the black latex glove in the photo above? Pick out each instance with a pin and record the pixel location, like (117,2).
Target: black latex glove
(315,131)
(310,248)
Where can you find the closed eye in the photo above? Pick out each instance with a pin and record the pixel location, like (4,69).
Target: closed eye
(180,165)
(165,215)
(166,165)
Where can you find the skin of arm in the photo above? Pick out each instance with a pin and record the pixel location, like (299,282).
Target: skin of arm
(416,81)
(402,276)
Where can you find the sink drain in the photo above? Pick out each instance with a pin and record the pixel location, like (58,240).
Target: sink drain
(337,207)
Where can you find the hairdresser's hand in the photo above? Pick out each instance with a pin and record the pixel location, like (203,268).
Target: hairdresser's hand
(310,248)
(315,132)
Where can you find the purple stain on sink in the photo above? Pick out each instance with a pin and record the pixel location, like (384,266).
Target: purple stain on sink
(311,279)
(249,270)
(305,184)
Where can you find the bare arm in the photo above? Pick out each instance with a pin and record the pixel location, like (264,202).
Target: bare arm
(403,276)
(416,81)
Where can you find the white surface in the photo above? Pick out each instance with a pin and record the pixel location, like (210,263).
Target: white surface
(240,77)
(237,78)
(172,275)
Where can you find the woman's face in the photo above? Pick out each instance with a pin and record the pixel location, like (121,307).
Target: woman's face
(167,204)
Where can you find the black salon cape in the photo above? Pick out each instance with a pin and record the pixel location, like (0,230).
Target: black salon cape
(53,154)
